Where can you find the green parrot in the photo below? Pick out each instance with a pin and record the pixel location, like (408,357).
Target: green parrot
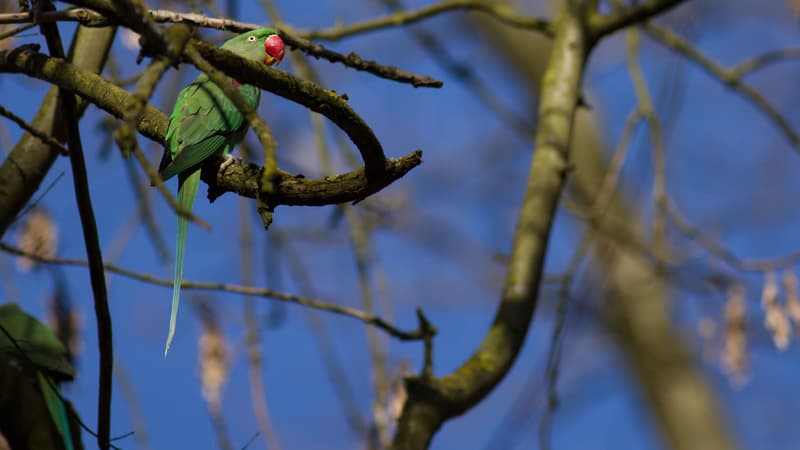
(30,349)
(204,123)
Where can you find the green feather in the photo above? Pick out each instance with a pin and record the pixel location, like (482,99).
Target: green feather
(56,408)
(187,190)
(22,332)
(204,123)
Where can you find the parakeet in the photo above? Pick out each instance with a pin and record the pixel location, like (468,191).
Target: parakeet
(203,123)
(33,363)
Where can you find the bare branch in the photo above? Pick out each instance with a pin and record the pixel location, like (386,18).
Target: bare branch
(624,17)
(44,137)
(127,143)
(290,190)
(356,62)
(108,14)
(501,12)
(714,248)
(296,190)
(30,159)
(763,60)
(431,401)
(413,335)
(80,178)
(729,77)
(645,106)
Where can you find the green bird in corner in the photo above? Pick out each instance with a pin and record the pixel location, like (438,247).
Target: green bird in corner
(205,123)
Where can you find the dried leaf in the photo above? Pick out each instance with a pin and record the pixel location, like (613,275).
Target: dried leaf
(775,318)
(39,236)
(734,355)
(213,358)
(792,299)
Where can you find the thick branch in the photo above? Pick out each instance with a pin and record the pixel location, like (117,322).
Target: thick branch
(290,190)
(31,159)
(306,93)
(296,190)
(432,401)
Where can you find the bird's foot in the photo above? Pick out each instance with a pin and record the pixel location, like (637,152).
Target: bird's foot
(228,161)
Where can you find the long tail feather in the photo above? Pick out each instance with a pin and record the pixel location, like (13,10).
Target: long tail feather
(187,190)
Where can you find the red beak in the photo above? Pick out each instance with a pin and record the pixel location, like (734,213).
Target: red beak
(273,47)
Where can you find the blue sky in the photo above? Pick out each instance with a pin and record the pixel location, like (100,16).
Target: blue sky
(729,170)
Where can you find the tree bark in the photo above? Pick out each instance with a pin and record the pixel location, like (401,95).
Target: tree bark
(30,159)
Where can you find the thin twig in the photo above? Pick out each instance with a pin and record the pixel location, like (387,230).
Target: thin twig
(763,60)
(90,237)
(354,61)
(645,106)
(84,16)
(146,212)
(152,173)
(258,395)
(333,366)
(27,60)
(90,18)
(465,73)
(378,437)
(623,17)
(729,77)
(128,391)
(17,31)
(135,14)
(501,12)
(610,181)
(44,137)
(376,321)
(727,256)
(557,337)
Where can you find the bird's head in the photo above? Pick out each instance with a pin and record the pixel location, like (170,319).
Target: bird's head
(262,44)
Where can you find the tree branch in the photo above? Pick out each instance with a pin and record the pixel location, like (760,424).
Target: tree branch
(306,93)
(290,190)
(30,159)
(44,137)
(296,190)
(69,108)
(503,13)
(420,333)
(624,17)
(431,401)
(729,77)
(106,14)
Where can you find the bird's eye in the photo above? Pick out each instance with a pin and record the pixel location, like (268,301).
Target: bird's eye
(251,38)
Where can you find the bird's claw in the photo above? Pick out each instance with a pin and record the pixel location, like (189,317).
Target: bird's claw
(228,161)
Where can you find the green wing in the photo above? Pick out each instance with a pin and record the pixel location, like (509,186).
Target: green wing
(204,122)
(56,408)
(22,332)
